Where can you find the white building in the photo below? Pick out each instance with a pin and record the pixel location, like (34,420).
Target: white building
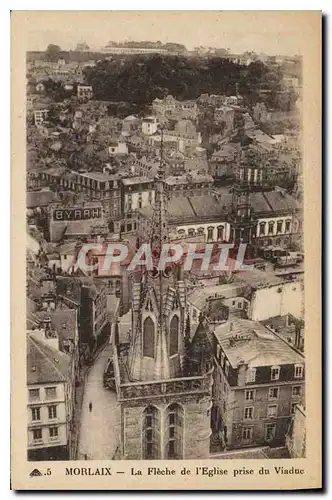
(40,115)
(149,125)
(84,91)
(49,403)
(118,148)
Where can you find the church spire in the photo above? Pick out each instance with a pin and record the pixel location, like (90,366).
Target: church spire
(152,285)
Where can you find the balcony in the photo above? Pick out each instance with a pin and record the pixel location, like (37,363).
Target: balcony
(126,390)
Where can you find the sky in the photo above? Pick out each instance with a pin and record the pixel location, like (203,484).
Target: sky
(267,32)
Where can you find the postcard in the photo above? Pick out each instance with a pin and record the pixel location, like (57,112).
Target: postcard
(166,246)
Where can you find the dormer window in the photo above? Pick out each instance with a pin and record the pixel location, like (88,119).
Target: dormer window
(275,372)
(298,371)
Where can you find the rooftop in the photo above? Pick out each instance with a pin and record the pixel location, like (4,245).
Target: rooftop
(251,343)
(135,180)
(45,364)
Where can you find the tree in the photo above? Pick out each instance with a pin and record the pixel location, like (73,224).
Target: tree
(53,52)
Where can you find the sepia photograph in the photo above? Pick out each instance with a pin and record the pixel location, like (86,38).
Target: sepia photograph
(165,260)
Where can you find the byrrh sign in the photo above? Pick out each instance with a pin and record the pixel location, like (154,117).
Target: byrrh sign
(77,213)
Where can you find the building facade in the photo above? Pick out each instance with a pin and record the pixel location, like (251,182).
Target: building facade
(259,381)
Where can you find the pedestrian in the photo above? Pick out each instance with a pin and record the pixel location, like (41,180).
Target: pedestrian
(90,406)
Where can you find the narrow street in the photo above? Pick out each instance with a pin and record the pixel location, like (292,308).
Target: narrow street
(100,428)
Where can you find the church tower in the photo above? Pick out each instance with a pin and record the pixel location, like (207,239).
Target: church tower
(248,179)
(164,412)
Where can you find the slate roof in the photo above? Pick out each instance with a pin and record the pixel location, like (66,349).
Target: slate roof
(36,199)
(45,364)
(63,321)
(259,347)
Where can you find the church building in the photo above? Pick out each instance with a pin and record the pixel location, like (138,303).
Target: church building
(163,380)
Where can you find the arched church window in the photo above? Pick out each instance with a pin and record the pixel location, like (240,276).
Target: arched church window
(151,435)
(148,338)
(174,336)
(174,429)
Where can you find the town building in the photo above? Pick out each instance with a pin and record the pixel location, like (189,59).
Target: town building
(258,382)
(84,92)
(274,211)
(203,215)
(223,162)
(40,116)
(89,296)
(225,114)
(172,108)
(50,386)
(118,50)
(136,193)
(75,222)
(117,147)
(149,125)
(192,184)
(296,435)
(99,186)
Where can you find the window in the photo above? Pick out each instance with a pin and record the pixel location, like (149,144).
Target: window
(174,422)
(288,226)
(191,231)
(272,410)
(35,414)
(52,412)
(33,394)
(251,375)
(174,336)
(279,226)
(50,392)
(194,313)
(37,434)
(296,391)
(249,395)
(220,233)
(239,305)
(271,227)
(210,233)
(148,338)
(54,434)
(151,437)
(270,431)
(275,372)
(298,371)
(274,393)
(247,433)
(293,408)
(200,230)
(262,229)
(249,413)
